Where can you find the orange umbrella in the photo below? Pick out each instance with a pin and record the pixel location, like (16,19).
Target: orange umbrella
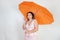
(42,15)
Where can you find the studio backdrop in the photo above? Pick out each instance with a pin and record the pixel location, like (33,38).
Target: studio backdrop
(13,12)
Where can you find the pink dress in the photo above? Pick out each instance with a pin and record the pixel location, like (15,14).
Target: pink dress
(31,36)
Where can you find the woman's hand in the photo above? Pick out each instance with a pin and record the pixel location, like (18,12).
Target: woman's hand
(27,32)
(25,20)
(35,28)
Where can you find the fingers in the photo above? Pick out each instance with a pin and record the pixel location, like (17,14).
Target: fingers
(25,19)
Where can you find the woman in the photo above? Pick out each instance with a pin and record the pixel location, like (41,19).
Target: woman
(30,26)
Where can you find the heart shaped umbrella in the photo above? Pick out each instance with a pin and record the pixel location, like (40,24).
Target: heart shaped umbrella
(42,15)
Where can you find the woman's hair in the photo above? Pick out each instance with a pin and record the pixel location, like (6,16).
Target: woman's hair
(31,14)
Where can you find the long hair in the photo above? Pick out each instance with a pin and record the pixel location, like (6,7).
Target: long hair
(33,17)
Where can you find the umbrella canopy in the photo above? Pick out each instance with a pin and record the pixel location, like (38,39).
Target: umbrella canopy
(42,15)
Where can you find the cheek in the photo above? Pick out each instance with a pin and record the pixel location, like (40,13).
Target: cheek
(31,16)
(28,16)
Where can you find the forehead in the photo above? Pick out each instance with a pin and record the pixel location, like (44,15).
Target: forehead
(29,13)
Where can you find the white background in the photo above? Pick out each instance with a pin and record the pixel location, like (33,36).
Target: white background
(11,20)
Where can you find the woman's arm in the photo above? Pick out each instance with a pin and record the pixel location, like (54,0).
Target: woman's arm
(24,24)
(35,28)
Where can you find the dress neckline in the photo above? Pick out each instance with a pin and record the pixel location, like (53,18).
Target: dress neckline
(30,23)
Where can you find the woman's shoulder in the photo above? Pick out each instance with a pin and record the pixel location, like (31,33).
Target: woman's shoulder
(35,21)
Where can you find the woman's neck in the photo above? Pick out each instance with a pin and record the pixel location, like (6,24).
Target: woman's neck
(30,19)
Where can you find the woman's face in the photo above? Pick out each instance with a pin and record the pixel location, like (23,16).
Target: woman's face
(29,16)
